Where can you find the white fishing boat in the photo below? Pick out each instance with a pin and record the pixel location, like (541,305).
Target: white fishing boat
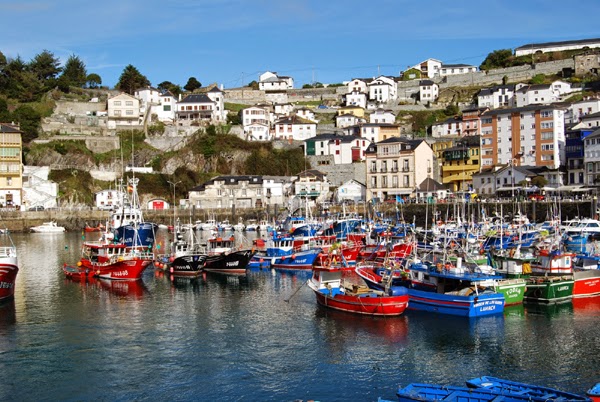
(48,227)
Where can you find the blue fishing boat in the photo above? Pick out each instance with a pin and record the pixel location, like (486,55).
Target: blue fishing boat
(304,259)
(513,387)
(435,392)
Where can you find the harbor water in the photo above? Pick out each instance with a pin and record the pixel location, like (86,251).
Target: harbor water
(258,337)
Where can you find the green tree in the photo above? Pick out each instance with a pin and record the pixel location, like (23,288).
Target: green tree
(169,86)
(29,121)
(131,79)
(46,67)
(411,74)
(497,59)
(192,84)
(253,85)
(17,82)
(452,110)
(74,73)
(4,113)
(93,80)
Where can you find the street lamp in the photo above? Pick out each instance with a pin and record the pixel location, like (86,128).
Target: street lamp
(174,184)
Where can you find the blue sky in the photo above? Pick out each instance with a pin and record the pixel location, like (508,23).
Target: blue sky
(231,42)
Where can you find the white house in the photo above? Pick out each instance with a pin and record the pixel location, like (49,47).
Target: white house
(576,111)
(270,81)
(382,116)
(123,110)
(455,69)
(542,94)
(312,185)
(256,114)
(347,120)
(351,190)
(344,149)
(590,120)
(428,91)
(383,89)
(358,85)
(148,96)
(451,127)
(294,128)
(356,99)
(497,96)
(109,199)
(283,109)
(429,68)
(306,113)
(533,48)
(257,132)
(167,108)
(209,106)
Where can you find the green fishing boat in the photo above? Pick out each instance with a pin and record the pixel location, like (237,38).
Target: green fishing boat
(549,289)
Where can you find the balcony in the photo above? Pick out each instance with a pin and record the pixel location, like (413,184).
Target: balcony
(383,170)
(394,170)
(406,169)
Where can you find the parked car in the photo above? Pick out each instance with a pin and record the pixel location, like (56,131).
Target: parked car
(36,208)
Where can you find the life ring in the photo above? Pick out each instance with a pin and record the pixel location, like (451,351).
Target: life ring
(327,262)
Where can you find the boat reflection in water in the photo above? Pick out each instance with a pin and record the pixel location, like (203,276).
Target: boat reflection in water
(589,306)
(127,289)
(8,313)
(549,310)
(393,330)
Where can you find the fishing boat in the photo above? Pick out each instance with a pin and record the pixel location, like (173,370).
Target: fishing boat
(222,256)
(504,386)
(9,267)
(495,393)
(186,257)
(109,261)
(303,259)
(330,292)
(48,227)
(446,289)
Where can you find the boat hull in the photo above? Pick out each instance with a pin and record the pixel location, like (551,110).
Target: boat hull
(541,289)
(587,283)
(127,269)
(187,265)
(8,276)
(369,305)
(300,260)
(465,306)
(140,235)
(235,262)
(513,291)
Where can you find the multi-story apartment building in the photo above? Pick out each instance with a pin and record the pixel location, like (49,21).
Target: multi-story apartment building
(460,162)
(579,110)
(241,191)
(294,128)
(343,148)
(591,158)
(383,89)
(574,154)
(395,167)
(11,167)
(531,135)
(497,96)
(123,110)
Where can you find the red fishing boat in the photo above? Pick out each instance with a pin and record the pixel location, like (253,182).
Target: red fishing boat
(331,292)
(8,270)
(109,261)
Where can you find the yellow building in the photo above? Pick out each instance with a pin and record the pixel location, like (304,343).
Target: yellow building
(354,110)
(459,162)
(11,168)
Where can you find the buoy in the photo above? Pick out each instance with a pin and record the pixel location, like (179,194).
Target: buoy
(171,270)
(261,260)
(78,263)
(293,256)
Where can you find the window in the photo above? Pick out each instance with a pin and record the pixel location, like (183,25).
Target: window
(128,103)
(117,103)
(129,112)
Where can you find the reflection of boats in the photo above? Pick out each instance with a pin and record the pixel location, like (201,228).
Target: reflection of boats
(330,292)
(8,313)
(132,289)
(9,267)
(48,227)
(586,306)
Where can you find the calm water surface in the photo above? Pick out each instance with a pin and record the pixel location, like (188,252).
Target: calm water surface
(237,338)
